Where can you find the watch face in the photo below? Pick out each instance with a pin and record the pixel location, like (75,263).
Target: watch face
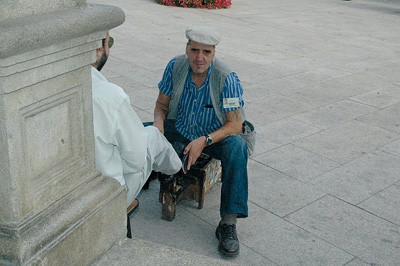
(208,140)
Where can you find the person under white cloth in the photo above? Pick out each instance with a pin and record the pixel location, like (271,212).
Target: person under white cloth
(124,148)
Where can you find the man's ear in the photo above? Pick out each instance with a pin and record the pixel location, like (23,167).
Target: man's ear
(187,50)
(99,52)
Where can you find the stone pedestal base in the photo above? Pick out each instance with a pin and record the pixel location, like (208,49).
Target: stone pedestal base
(55,209)
(81,227)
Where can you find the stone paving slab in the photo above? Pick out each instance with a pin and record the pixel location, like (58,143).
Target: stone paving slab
(393,148)
(364,235)
(357,262)
(387,118)
(296,162)
(287,244)
(348,141)
(334,114)
(271,107)
(389,72)
(142,75)
(141,252)
(385,204)
(380,98)
(269,190)
(362,178)
(281,132)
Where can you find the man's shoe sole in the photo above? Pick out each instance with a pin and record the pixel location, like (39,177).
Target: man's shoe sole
(234,254)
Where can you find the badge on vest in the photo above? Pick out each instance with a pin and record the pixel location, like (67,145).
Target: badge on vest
(230,103)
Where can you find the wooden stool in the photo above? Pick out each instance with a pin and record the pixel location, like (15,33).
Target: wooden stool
(193,185)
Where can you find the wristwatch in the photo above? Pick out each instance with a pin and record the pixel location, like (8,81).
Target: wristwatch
(208,140)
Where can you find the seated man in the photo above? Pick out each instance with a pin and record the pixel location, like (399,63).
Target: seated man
(200,104)
(124,148)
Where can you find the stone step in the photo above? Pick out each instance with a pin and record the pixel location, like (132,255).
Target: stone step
(142,252)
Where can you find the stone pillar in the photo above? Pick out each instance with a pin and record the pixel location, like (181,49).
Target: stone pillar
(55,209)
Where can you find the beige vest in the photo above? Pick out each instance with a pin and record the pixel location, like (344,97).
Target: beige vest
(217,79)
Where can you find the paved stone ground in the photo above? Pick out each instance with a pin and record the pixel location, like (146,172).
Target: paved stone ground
(322,84)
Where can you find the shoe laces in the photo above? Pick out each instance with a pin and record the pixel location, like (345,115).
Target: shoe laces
(229,231)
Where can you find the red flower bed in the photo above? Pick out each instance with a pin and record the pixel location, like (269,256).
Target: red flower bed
(210,4)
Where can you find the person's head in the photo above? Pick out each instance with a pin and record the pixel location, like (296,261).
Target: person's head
(103,52)
(200,48)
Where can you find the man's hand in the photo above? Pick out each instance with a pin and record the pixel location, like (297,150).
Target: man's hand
(233,125)
(194,149)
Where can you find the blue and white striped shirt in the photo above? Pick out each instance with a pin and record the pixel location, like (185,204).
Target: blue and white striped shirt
(196,116)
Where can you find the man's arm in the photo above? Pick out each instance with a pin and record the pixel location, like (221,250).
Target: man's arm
(161,111)
(130,138)
(232,126)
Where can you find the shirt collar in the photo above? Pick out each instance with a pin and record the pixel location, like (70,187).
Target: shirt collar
(97,74)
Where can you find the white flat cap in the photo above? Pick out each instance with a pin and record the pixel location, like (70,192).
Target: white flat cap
(203,35)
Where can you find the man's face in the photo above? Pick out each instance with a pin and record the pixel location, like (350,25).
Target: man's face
(104,55)
(200,57)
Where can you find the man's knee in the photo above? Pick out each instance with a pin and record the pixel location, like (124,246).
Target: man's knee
(237,144)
